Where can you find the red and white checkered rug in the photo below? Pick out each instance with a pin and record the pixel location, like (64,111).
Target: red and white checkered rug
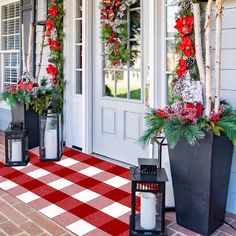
(86,195)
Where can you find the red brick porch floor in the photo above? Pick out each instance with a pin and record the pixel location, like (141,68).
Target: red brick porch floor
(17,218)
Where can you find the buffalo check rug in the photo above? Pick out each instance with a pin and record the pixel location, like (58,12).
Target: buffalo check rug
(86,195)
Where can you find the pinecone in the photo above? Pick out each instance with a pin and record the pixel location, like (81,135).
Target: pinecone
(185,5)
(190,61)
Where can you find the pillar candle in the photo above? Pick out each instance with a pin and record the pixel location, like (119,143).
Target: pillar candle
(148,211)
(51,144)
(16,151)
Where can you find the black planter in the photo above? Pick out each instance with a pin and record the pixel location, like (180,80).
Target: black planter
(31,122)
(200,179)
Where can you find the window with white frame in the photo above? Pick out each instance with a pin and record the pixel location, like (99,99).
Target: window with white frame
(171,9)
(78,47)
(126,82)
(10,43)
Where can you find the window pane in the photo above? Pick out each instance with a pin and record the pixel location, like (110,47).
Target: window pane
(171,55)
(135,5)
(171,11)
(78,48)
(10,35)
(79,31)
(78,57)
(135,24)
(135,57)
(135,85)
(170,92)
(79,9)
(109,83)
(122,84)
(78,85)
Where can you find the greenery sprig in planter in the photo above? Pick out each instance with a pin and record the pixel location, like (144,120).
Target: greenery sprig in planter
(177,121)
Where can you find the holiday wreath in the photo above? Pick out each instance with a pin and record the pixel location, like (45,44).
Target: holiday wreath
(184,118)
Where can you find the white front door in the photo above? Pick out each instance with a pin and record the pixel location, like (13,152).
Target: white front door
(119,93)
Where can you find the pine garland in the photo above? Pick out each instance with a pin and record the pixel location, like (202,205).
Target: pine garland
(55,34)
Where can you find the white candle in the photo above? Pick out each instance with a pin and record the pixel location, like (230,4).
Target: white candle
(16,151)
(51,144)
(148,211)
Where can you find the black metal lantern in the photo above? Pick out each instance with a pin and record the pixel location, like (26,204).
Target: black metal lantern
(148,200)
(41,12)
(16,144)
(51,142)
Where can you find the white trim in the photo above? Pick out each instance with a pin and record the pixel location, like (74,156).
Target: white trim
(87,111)
(68,19)
(163,81)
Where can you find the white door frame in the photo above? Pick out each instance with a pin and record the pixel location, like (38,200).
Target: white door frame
(87,73)
(157,85)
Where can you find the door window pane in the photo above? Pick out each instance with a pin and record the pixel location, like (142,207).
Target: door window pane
(171,56)
(109,83)
(78,82)
(78,48)
(135,85)
(122,84)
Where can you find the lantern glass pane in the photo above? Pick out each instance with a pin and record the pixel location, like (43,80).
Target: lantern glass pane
(15,150)
(50,138)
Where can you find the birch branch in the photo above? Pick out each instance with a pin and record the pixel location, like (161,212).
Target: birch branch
(30,49)
(198,46)
(208,57)
(23,48)
(219,7)
(41,54)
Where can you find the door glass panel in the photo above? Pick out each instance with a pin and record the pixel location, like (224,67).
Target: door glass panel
(78,57)
(78,83)
(122,84)
(135,57)
(78,46)
(171,55)
(135,85)
(170,27)
(79,9)
(109,83)
(124,81)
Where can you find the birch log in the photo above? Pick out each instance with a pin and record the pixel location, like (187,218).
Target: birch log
(23,47)
(41,54)
(30,49)
(198,46)
(208,57)
(219,7)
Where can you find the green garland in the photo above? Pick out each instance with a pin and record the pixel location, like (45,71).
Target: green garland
(55,33)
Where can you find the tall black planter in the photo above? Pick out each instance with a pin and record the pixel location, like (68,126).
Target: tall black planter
(200,179)
(31,122)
